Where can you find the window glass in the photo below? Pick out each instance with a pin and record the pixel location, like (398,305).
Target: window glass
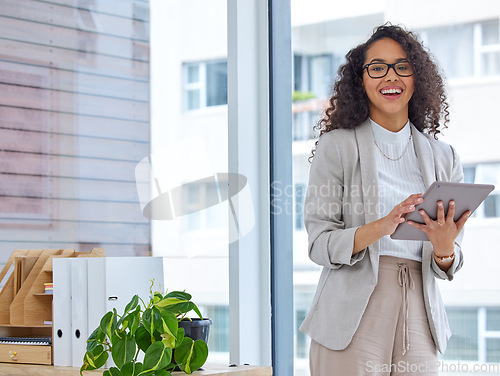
(216,83)
(75,119)
(300,191)
(493,350)
(443,41)
(188,149)
(320,75)
(491,32)
(469,174)
(193,73)
(493,319)
(463,344)
(297,72)
(193,99)
(219,336)
(490,63)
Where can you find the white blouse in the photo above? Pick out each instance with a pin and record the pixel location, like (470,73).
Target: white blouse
(397,179)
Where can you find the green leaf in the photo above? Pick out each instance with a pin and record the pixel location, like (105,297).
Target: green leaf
(148,320)
(135,320)
(180,337)
(131,369)
(143,338)
(157,320)
(95,339)
(116,337)
(166,302)
(169,323)
(161,372)
(157,357)
(157,297)
(182,308)
(132,305)
(191,355)
(123,351)
(113,371)
(94,359)
(179,295)
(195,308)
(108,323)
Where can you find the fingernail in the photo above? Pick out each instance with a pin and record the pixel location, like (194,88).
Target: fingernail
(452,202)
(421,211)
(440,204)
(412,206)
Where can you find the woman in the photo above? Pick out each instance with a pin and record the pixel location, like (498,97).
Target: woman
(377,308)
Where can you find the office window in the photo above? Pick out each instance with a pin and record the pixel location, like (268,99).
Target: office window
(463,344)
(301,342)
(205,84)
(218,340)
(300,193)
(485,173)
(479,52)
(75,122)
(489,48)
(493,319)
(313,73)
(196,199)
(475,334)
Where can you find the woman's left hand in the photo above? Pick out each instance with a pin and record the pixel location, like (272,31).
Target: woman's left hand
(443,231)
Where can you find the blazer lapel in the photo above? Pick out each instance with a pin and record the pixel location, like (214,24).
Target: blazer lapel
(425,156)
(368,166)
(427,166)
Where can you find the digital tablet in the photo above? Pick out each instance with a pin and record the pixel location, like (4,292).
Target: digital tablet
(466,197)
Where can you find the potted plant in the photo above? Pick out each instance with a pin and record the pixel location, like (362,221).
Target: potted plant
(152,329)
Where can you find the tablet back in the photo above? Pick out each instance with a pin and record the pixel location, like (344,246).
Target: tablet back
(466,197)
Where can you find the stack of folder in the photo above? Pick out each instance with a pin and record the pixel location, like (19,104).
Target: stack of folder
(49,287)
(87,288)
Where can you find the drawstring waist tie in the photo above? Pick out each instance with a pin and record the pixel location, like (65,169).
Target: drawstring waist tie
(405,281)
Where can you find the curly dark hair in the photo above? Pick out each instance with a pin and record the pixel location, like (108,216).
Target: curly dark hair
(349,105)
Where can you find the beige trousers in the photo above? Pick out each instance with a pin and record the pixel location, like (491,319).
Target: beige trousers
(393,337)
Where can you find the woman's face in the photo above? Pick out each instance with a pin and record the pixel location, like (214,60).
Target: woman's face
(389,95)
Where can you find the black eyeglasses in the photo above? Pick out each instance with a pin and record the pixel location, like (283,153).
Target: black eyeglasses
(379,70)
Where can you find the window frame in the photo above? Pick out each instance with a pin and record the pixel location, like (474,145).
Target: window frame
(200,85)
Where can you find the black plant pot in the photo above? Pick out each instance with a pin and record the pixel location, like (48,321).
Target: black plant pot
(196,328)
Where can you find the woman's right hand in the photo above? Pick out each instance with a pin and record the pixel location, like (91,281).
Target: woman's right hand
(395,217)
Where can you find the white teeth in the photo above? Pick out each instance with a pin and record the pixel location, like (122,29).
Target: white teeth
(391,91)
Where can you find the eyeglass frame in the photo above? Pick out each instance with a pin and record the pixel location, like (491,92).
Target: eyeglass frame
(389,66)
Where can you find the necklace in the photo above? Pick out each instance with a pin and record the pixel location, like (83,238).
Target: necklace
(398,158)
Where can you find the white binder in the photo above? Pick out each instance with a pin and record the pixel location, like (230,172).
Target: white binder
(61,313)
(129,276)
(90,288)
(96,294)
(79,310)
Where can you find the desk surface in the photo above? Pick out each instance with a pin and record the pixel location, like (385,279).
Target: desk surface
(209,370)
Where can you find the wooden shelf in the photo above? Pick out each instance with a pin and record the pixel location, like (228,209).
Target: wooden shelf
(23,304)
(209,370)
(24,326)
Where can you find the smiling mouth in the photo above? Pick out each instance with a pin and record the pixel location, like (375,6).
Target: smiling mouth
(393,91)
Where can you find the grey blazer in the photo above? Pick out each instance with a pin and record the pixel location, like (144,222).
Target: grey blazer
(342,196)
